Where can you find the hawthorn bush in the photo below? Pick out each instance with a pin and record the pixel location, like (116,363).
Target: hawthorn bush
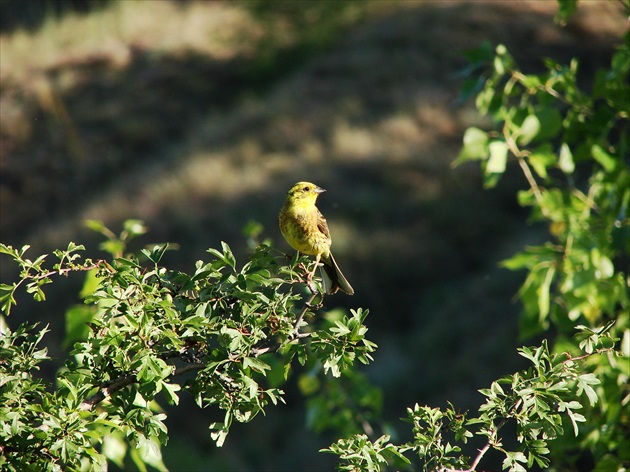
(148,333)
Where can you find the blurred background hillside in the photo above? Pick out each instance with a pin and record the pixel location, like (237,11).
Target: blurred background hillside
(197,116)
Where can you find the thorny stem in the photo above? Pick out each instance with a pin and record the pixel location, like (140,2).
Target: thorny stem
(570,358)
(486,446)
(64,271)
(482,452)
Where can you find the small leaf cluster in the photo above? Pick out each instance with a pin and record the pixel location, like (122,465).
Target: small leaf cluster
(538,402)
(358,452)
(226,335)
(572,148)
(37,427)
(34,275)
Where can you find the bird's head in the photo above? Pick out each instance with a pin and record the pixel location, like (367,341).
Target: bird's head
(303,194)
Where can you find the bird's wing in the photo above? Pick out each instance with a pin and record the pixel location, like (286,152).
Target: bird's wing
(322,225)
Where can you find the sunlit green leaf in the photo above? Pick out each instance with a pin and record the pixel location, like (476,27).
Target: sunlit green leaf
(565,161)
(529,129)
(542,158)
(475,146)
(606,160)
(498,157)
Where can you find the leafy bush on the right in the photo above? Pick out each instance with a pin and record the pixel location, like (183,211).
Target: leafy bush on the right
(572,147)
(570,408)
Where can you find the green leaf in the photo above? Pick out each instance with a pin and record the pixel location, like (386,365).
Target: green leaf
(255,364)
(156,252)
(512,460)
(113,247)
(77,329)
(496,164)
(91,284)
(566,9)
(8,250)
(542,158)
(498,157)
(96,225)
(544,291)
(226,256)
(475,146)
(528,130)
(499,66)
(7,300)
(170,391)
(134,227)
(550,121)
(565,161)
(531,81)
(602,264)
(584,384)
(148,452)
(308,384)
(520,260)
(219,432)
(607,161)
(253,229)
(341,329)
(480,54)
(575,419)
(488,100)
(114,448)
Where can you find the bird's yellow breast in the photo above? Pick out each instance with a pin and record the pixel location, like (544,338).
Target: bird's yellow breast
(299,226)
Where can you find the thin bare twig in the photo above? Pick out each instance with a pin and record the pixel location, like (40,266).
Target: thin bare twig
(520,155)
(570,358)
(298,322)
(187,368)
(482,452)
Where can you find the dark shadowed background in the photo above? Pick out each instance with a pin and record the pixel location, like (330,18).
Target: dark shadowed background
(197,116)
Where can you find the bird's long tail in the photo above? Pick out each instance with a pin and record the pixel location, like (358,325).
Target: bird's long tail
(333,279)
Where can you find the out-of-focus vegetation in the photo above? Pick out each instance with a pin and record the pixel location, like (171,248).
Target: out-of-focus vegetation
(572,147)
(196,116)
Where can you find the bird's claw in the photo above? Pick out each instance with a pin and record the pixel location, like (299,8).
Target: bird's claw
(310,284)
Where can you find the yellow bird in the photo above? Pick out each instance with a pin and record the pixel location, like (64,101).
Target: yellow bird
(306,230)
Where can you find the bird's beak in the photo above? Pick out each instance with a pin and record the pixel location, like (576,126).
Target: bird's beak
(319,190)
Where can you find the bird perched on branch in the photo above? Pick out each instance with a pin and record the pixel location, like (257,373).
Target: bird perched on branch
(306,230)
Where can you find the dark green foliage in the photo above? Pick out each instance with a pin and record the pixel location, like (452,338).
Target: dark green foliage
(152,333)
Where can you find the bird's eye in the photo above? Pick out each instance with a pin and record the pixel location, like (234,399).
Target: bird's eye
(307,188)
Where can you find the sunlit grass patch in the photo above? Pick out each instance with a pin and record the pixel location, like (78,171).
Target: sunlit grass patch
(213,28)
